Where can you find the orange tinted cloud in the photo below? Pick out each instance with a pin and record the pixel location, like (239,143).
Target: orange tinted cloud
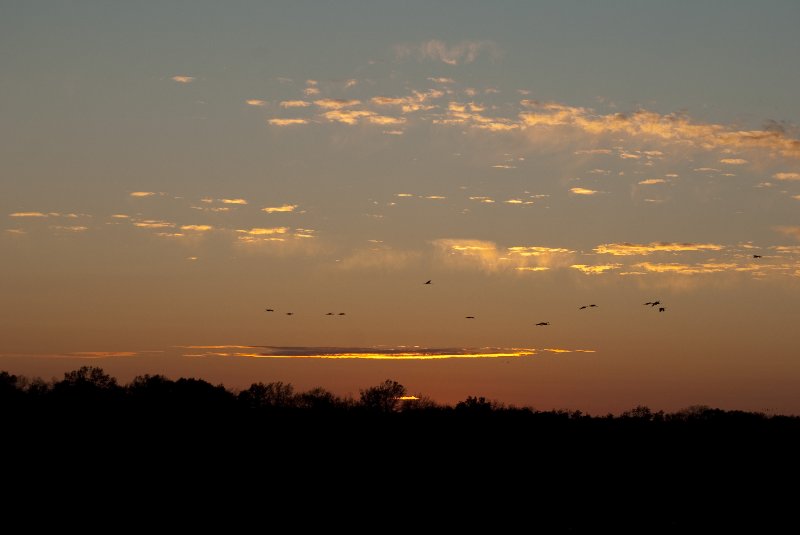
(595,270)
(233,201)
(27,214)
(583,191)
(277,209)
(198,228)
(182,79)
(786,176)
(264,231)
(336,103)
(295,104)
(142,193)
(630,249)
(255,102)
(287,122)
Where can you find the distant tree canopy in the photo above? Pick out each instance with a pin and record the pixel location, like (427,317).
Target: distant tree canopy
(91,389)
(383,398)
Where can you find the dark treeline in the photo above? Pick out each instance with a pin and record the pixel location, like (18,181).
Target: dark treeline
(91,389)
(636,472)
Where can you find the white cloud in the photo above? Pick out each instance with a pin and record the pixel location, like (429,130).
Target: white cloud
(786,176)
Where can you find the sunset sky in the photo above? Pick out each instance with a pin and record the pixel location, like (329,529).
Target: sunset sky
(169,171)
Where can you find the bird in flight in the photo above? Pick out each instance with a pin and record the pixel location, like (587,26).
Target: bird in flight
(341,313)
(653,303)
(587,306)
(756,256)
(270,310)
(543,323)
(428,282)
(290,313)
(329,314)
(661,309)
(592,306)
(470,317)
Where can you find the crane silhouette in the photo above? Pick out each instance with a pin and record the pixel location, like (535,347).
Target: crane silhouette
(542,323)
(427,282)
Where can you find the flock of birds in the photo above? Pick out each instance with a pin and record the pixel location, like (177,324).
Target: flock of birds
(652,304)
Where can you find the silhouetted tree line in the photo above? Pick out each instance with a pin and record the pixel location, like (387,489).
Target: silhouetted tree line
(91,389)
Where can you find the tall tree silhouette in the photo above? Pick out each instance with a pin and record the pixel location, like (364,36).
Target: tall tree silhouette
(383,398)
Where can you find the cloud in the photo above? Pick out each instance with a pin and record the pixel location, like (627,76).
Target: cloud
(282,208)
(352,82)
(264,231)
(102,354)
(734,161)
(336,103)
(595,270)
(287,122)
(295,104)
(310,91)
(537,251)
(786,176)
(504,166)
(631,249)
(379,258)
(27,214)
(691,269)
(153,223)
(387,120)
(435,50)
(371,353)
(652,181)
(793,232)
(349,117)
(404,195)
(675,128)
(583,191)
(256,102)
(182,79)
(142,193)
(71,228)
(233,201)
(487,256)
(199,228)
(593,151)
(393,132)
(415,102)
(441,80)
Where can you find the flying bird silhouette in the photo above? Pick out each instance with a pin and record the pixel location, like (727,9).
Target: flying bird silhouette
(341,313)
(270,310)
(470,317)
(543,323)
(584,306)
(654,303)
(661,309)
(428,282)
(593,305)
(329,314)
(756,256)
(290,313)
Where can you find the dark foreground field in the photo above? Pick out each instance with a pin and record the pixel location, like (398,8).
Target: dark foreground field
(699,468)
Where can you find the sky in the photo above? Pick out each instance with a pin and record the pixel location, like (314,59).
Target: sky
(169,171)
